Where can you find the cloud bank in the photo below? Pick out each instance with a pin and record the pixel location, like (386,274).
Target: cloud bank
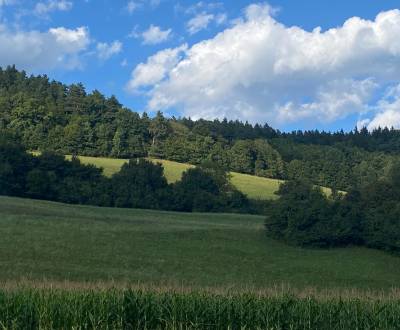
(261,70)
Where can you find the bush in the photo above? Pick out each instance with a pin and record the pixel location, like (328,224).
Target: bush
(302,216)
(368,216)
(140,184)
(207,189)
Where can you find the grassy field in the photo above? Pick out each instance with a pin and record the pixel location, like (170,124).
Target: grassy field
(253,186)
(56,242)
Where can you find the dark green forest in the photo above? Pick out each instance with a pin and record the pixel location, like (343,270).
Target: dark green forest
(50,116)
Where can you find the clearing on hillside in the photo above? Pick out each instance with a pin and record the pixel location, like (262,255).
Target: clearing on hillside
(253,186)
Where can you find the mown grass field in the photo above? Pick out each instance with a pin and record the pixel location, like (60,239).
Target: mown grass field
(253,186)
(43,241)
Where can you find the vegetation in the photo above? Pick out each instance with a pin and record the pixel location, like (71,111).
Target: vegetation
(138,309)
(49,116)
(47,241)
(189,166)
(368,215)
(254,187)
(139,183)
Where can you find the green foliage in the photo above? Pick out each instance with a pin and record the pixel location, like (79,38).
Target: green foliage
(380,205)
(253,187)
(256,157)
(140,184)
(304,216)
(14,164)
(368,215)
(47,115)
(207,188)
(139,309)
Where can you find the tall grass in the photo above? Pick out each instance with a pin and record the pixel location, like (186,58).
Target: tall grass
(42,308)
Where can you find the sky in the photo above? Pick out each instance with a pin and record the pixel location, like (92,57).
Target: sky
(307,64)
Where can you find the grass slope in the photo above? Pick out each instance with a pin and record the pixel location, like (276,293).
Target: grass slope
(253,186)
(45,240)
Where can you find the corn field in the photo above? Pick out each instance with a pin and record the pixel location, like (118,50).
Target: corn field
(141,309)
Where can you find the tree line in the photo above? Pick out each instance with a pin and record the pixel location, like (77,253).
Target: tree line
(367,215)
(139,183)
(50,116)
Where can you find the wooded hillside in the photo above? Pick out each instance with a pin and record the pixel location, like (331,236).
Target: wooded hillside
(48,115)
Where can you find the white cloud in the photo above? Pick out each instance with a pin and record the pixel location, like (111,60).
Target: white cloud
(203,14)
(34,50)
(199,22)
(105,50)
(261,70)
(334,100)
(199,6)
(156,68)
(387,111)
(388,118)
(43,8)
(155,35)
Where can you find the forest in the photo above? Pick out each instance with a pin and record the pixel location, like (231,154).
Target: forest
(50,116)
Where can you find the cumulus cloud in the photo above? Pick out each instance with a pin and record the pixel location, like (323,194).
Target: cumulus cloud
(155,35)
(261,70)
(43,8)
(156,68)
(105,50)
(34,50)
(387,111)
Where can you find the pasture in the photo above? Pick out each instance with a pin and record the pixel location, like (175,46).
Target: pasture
(46,241)
(253,186)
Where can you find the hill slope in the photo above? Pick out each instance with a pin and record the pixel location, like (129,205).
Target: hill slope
(253,186)
(44,240)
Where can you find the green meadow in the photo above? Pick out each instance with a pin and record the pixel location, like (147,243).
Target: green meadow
(46,241)
(253,186)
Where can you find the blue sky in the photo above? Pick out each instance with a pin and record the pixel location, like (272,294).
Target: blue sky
(294,64)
